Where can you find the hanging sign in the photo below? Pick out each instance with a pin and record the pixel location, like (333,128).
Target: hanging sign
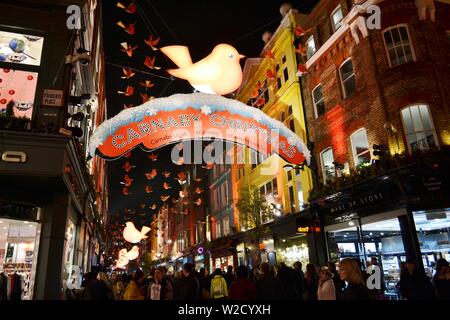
(53,98)
(197,116)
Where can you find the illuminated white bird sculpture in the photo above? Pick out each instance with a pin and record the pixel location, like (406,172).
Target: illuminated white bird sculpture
(133,235)
(129,255)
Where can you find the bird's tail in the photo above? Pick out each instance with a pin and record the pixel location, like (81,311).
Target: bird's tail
(145,230)
(179,55)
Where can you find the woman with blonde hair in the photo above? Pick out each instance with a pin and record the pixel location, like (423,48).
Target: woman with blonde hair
(326,290)
(350,272)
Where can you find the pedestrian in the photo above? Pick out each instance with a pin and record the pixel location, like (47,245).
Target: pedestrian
(104,287)
(339,284)
(415,284)
(288,278)
(133,290)
(350,271)
(441,279)
(326,289)
(229,276)
(159,288)
(300,280)
(118,287)
(311,282)
(267,286)
(242,288)
(219,288)
(205,284)
(177,281)
(190,286)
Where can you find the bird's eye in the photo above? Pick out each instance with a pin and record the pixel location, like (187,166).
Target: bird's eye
(230,55)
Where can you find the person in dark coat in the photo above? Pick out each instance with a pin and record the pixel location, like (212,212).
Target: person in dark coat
(242,288)
(288,278)
(300,279)
(311,282)
(229,276)
(414,283)
(441,279)
(190,286)
(267,286)
(350,271)
(339,284)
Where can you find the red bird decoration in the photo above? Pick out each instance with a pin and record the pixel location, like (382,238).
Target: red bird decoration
(198,179)
(152,43)
(208,166)
(128,166)
(127,155)
(127,73)
(125,191)
(183,194)
(181,178)
(148,189)
(131,8)
(301,50)
(269,54)
(153,206)
(128,181)
(165,198)
(130,29)
(185,202)
(260,102)
(299,31)
(301,69)
(126,48)
(128,92)
(151,175)
(146,97)
(153,156)
(150,62)
(166,174)
(198,190)
(198,201)
(270,74)
(166,186)
(127,106)
(147,84)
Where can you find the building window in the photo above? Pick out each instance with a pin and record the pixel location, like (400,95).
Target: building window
(282,117)
(398,45)
(292,198)
(301,202)
(310,47)
(336,18)
(226,226)
(318,100)
(348,79)
(218,229)
(283,59)
(285,74)
(419,129)
(360,147)
(328,169)
(269,192)
(289,175)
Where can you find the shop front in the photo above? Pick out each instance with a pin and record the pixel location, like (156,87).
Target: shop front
(390,219)
(19,248)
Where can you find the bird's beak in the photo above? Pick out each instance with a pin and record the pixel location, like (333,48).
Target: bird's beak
(241,56)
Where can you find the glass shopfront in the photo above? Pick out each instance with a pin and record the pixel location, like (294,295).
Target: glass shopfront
(433,233)
(371,240)
(19,246)
(293,249)
(223,262)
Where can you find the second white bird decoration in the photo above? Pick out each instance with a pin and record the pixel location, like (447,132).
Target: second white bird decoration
(130,255)
(133,235)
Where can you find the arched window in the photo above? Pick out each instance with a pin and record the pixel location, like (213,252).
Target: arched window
(398,45)
(328,169)
(419,129)
(348,79)
(360,147)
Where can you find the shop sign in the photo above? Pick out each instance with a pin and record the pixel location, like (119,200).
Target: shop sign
(199,258)
(362,200)
(200,250)
(53,98)
(307,229)
(14,156)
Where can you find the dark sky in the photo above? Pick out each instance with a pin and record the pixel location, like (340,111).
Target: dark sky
(198,24)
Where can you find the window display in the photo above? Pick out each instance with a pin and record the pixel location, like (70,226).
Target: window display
(292,250)
(17,92)
(20,48)
(19,242)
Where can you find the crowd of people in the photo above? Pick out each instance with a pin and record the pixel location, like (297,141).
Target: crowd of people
(344,281)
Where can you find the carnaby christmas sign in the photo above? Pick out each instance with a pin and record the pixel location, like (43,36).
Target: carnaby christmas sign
(196,116)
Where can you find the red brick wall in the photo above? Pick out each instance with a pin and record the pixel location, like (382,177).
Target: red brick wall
(381,91)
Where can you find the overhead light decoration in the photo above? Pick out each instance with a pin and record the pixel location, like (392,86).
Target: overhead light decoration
(133,254)
(132,235)
(218,73)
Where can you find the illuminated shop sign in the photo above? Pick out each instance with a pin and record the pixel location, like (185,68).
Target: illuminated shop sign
(14,156)
(307,229)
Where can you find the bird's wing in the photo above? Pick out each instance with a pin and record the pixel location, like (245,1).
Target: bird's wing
(179,55)
(202,72)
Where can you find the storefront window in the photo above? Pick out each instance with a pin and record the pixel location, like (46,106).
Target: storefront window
(433,232)
(293,249)
(375,240)
(19,245)
(20,48)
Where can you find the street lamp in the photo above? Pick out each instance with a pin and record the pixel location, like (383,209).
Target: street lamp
(289,167)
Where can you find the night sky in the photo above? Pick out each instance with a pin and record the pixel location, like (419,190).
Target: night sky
(200,25)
